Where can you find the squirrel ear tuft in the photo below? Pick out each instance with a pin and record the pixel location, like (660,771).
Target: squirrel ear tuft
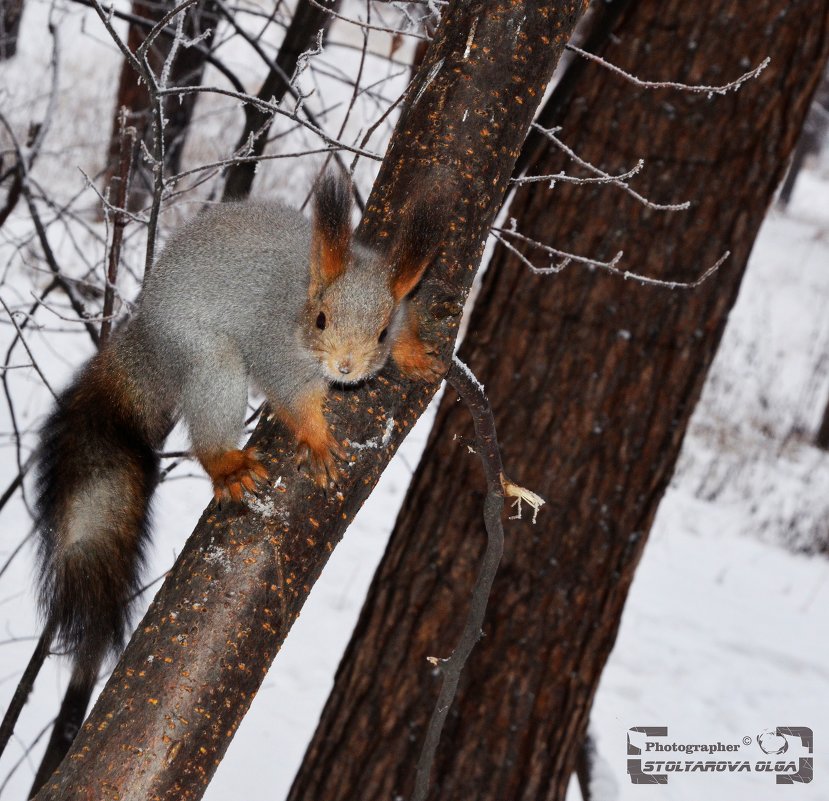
(415,248)
(331,238)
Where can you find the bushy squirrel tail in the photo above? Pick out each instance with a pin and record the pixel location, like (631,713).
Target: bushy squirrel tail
(97,471)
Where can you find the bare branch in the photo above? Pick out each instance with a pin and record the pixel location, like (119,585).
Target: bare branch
(607,266)
(473,395)
(683,87)
(550,133)
(367,26)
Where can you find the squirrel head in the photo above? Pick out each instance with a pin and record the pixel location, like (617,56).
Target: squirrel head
(356,292)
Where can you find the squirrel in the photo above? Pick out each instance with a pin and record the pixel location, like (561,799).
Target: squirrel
(246,291)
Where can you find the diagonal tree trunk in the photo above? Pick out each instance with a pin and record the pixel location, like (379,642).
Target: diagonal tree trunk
(592,380)
(170,708)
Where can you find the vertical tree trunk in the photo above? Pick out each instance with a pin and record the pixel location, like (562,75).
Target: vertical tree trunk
(592,380)
(167,714)
(10,13)
(187,70)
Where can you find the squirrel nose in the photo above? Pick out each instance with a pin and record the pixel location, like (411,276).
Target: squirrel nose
(344,366)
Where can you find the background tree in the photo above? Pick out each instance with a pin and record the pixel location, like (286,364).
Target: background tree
(10,13)
(187,51)
(592,380)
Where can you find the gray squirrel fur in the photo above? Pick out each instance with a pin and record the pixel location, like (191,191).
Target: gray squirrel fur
(248,292)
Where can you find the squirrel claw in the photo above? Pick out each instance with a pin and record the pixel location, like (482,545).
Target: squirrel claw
(320,461)
(234,473)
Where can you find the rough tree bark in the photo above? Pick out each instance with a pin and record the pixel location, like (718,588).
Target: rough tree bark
(308,20)
(187,70)
(592,380)
(170,708)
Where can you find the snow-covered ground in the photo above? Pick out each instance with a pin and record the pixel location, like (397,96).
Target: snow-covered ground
(725,631)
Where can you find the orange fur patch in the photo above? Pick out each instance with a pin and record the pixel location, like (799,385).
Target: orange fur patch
(233,472)
(413,356)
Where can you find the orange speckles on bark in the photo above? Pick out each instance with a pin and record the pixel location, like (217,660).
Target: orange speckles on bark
(314,522)
(173,752)
(153,701)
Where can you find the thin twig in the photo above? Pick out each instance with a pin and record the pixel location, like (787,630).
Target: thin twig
(76,303)
(684,87)
(366,26)
(26,346)
(24,687)
(572,179)
(128,135)
(550,133)
(607,266)
(460,377)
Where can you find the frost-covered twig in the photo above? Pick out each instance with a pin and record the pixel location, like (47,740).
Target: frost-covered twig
(553,178)
(683,87)
(265,106)
(566,258)
(367,26)
(550,133)
(607,266)
(25,344)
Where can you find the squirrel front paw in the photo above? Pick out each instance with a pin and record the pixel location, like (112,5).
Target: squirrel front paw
(416,359)
(317,456)
(234,472)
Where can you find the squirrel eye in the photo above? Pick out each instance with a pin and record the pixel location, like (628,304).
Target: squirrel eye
(383,333)
(321,321)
